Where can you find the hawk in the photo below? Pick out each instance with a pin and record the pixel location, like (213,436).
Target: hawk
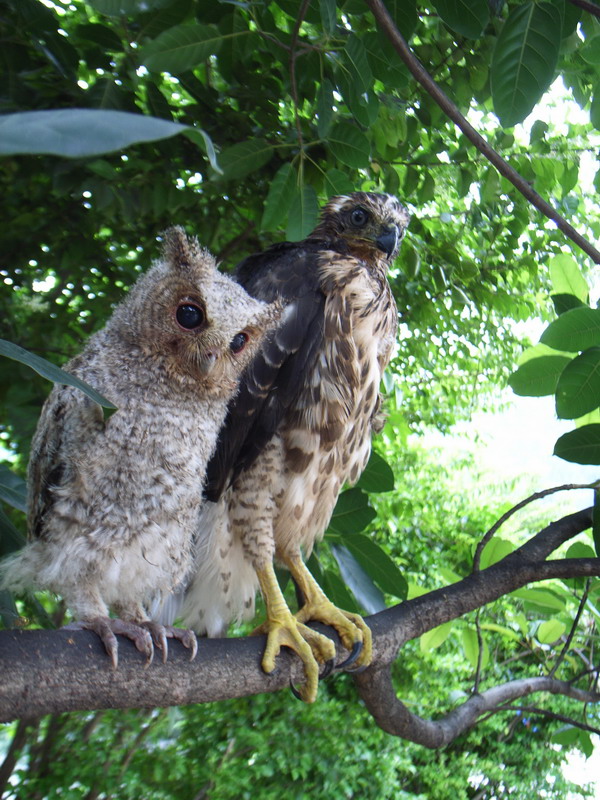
(299,429)
(113,504)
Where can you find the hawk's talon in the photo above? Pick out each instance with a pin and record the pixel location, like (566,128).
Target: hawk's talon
(359,669)
(354,654)
(328,668)
(295,692)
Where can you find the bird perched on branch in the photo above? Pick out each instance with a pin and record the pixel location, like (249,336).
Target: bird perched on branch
(300,428)
(113,503)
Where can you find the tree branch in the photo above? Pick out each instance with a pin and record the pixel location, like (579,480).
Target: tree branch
(56,671)
(376,689)
(421,75)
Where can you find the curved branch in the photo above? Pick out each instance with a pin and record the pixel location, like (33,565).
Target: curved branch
(377,691)
(420,74)
(55,671)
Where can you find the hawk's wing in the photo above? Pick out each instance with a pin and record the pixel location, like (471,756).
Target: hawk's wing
(270,384)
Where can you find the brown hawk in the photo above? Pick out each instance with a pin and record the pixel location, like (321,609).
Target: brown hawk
(299,428)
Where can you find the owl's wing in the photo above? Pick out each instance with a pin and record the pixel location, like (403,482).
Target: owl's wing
(67,422)
(276,376)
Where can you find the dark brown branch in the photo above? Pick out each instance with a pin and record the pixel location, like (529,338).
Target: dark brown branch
(377,691)
(591,8)
(420,74)
(55,671)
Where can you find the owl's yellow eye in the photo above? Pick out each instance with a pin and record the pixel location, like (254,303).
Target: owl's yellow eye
(190,316)
(239,341)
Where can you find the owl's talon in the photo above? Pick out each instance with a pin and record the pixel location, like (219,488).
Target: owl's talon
(160,634)
(106,628)
(354,654)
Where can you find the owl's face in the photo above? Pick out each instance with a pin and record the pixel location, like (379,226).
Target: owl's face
(195,320)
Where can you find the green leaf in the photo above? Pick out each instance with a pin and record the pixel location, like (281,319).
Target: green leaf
(359,582)
(349,145)
(540,599)
(565,302)
(539,376)
(243,158)
(13,489)
(11,539)
(566,277)
(79,132)
(495,550)
(436,637)
(574,330)
(324,107)
(580,550)
(204,142)
(467,17)
(337,182)
(50,371)
(337,591)
(378,475)
(470,645)
(550,631)
(352,513)
(181,48)
(358,64)
(595,108)
(304,213)
(578,388)
(377,564)
(279,198)
(328,16)
(524,60)
(581,446)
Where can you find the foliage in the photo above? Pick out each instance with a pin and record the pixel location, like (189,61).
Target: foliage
(266,115)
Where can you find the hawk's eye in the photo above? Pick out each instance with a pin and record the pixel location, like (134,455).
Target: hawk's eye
(190,316)
(239,341)
(359,217)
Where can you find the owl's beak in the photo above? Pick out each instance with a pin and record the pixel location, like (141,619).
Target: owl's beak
(387,239)
(207,361)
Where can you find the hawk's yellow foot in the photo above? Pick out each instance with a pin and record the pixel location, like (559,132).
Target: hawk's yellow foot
(351,628)
(284,630)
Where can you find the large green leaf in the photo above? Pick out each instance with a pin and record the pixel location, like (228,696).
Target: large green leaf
(578,388)
(378,475)
(581,445)
(349,145)
(595,523)
(304,212)
(337,182)
(243,158)
(50,371)
(467,17)
(436,637)
(539,376)
(470,643)
(181,48)
(566,277)
(377,564)
(79,132)
(13,489)
(358,65)
(524,60)
(279,197)
(550,631)
(352,513)
(574,330)
(358,580)
(203,140)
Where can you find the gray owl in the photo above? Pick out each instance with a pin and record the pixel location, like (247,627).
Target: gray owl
(113,504)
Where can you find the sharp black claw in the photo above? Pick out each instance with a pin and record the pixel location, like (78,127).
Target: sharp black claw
(327,669)
(354,654)
(295,692)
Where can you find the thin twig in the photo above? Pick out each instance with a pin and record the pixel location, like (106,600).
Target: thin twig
(569,639)
(293,54)
(386,23)
(591,8)
(545,713)
(567,487)
(477,680)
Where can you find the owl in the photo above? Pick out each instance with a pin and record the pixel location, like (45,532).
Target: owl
(113,503)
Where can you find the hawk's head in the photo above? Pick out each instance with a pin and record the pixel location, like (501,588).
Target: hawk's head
(373,224)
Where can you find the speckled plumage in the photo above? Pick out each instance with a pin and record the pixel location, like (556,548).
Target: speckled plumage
(113,504)
(301,424)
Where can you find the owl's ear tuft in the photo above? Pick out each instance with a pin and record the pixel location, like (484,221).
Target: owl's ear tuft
(183,252)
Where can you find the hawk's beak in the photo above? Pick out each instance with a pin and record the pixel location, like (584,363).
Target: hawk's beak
(387,240)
